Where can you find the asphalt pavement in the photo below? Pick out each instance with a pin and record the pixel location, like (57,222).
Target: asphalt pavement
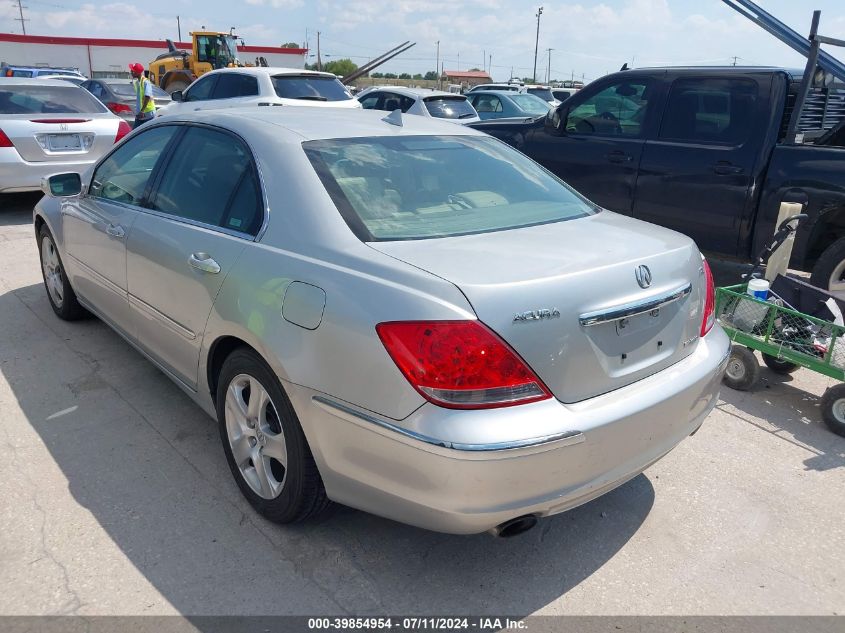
(115,498)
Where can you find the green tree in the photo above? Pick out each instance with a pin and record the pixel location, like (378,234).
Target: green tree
(404,76)
(389,75)
(340,67)
(377,75)
(431,75)
(290,45)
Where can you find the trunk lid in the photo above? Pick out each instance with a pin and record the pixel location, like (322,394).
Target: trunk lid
(548,290)
(59,137)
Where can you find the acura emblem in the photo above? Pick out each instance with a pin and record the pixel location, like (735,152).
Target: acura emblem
(643,275)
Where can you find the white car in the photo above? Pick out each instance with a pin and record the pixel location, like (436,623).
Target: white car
(544,92)
(74,79)
(261,86)
(511,87)
(419,101)
(49,126)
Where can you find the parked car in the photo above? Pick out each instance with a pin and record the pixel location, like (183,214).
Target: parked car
(428,103)
(261,86)
(510,87)
(118,95)
(38,71)
(498,104)
(423,327)
(77,80)
(49,126)
(544,92)
(704,151)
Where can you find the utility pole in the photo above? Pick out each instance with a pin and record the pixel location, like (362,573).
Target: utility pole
(490,66)
(484,59)
(437,65)
(537,42)
(549,67)
(319,62)
(179,28)
(21,19)
(735,58)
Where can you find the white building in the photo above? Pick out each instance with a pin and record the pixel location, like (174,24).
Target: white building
(110,57)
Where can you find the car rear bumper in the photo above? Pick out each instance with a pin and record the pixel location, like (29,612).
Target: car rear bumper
(16,174)
(558,456)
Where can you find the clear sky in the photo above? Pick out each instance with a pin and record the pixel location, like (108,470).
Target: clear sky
(587,38)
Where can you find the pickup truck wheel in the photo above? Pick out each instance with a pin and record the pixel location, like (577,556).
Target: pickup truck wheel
(780,366)
(833,409)
(829,271)
(743,369)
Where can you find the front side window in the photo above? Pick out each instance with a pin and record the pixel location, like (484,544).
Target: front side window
(417,187)
(487,103)
(123,176)
(231,85)
(370,101)
(710,111)
(201,89)
(310,87)
(66,99)
(449,107)
(210,178)
(618,110)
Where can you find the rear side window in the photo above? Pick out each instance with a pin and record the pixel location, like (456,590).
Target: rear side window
(310,87)
(123,176)
(544,93)
(22,73)
(231,85)
(211,179)
(394,101)
(618,110)
(67,99)
(710,111)
(449,107)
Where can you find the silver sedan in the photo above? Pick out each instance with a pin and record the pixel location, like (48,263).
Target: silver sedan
(393,313)
(48,126)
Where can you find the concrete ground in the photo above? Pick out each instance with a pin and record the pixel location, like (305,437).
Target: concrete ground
(115,498)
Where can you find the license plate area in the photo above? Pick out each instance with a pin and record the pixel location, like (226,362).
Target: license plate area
(64,142)
(639,323)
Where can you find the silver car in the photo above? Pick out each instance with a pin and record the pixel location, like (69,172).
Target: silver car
(49,126)
(391,312)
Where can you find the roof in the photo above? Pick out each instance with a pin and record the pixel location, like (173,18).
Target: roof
(270,70)
(468,74)
(35,81)
(158,44)
(304,124)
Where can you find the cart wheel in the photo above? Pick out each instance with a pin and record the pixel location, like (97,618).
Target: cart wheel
(780,366)
(833,409)
(743,369)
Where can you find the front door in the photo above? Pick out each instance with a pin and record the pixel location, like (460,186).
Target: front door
(599,148)
(97,223)
(696,176)
(205,209)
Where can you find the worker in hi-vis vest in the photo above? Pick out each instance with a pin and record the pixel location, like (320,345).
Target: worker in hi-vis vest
(145,106)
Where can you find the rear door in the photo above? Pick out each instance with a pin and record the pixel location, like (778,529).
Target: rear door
(697,175)
(205,209)
(598,150)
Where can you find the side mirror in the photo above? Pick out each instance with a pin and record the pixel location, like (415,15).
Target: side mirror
(556,119)
(176,95)
(62,185)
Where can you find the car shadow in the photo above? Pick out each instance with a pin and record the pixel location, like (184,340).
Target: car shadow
(16,208)
(148,465)
(777,405)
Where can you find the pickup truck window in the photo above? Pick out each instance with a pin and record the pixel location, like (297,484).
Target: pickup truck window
(618,110)
(717,111)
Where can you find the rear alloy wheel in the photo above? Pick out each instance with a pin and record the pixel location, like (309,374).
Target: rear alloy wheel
(263,441)
(780,366)
(60,294)
(829,271)
(833,409)
(743,369)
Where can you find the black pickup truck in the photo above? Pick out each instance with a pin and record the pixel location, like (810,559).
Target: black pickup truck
(703,151)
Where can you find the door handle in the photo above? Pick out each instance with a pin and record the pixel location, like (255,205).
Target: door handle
(115,230)
(204,262)
(725,168)
(619,157)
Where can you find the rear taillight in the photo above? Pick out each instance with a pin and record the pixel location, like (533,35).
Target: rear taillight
(4,140)
(708,318)
(122,130)
(460,364)
(117,108)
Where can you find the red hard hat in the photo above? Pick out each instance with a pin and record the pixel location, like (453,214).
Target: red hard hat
(136,68)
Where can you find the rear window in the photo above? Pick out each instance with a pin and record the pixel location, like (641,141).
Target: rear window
(530,103)
(544,93)
(449,107)
(313,88)
(418,187)
(48,100)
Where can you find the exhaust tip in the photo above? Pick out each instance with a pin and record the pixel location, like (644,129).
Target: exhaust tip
(514,527)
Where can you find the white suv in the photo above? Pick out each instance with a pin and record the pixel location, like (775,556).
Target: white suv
(261,86)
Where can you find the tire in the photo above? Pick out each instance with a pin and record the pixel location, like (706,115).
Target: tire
(274,467)
(177,84)
(743,369)
(833,409)
(780,366)
(829,271)
(59,292)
